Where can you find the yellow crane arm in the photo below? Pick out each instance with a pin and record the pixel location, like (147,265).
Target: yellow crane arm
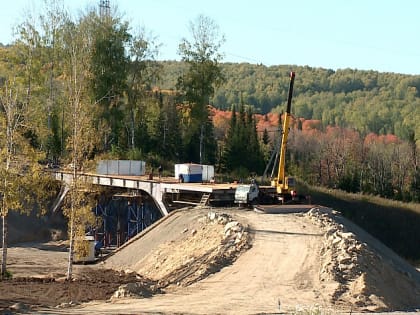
(282,185)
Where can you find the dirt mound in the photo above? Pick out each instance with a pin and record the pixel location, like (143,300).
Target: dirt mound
(368,278)
(210,242)
(90,284)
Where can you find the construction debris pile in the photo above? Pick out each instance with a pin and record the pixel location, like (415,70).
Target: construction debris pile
(212,242)
(362,277)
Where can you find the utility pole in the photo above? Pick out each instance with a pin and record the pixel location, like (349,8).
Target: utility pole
(201,143)
(104,8)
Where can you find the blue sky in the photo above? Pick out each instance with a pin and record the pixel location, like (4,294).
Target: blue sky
(381,35)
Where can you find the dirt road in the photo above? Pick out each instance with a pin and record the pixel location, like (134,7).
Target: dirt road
(279,272)
(294,261)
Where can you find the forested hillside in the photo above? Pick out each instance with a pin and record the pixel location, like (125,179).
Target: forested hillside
(354,130)
(369,101)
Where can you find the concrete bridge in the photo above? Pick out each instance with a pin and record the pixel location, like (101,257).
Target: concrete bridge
(165,191)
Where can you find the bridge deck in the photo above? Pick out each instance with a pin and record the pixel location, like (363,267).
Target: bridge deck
(136,182)
(156,187)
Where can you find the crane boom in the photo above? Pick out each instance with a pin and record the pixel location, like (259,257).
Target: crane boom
(282,187)
(283,184)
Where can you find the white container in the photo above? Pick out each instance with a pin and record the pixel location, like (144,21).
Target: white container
(190,173)
(121,167)
(208,173)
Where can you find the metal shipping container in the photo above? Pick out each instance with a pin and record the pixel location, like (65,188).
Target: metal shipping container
(121,167)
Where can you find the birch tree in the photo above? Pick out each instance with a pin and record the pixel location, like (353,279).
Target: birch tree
(82,142)
(22,182)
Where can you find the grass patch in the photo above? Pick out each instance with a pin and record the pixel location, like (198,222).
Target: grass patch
(379,201)
(7,275)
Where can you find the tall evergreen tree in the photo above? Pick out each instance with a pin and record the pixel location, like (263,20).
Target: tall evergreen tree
(170,141)
(228,152)
(265,137)
(256,160)
(243,152)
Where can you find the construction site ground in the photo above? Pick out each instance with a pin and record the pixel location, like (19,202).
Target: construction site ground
(220,261)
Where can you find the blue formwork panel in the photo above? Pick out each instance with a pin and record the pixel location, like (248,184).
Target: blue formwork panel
(193,178)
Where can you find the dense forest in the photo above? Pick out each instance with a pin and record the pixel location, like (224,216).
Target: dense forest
(354,130)
(88,88)
(368,101)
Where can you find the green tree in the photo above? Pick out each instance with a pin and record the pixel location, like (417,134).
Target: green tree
(168,141)
(256,160)
(22,183)
(243,154)
(53,21)
(82,141)
(109,71)
(143,70)
(228,155)
(38,46)
(25,57)
(204,73)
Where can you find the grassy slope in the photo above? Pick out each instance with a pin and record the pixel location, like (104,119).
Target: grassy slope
(395,224)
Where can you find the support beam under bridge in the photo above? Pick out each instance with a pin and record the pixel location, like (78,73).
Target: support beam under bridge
(220,193)
(153,188)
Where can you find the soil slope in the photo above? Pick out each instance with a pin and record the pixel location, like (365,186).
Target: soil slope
(230,261)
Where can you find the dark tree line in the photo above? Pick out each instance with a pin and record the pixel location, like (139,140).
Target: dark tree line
(242,153)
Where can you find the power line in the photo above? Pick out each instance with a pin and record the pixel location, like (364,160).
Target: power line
(243,57)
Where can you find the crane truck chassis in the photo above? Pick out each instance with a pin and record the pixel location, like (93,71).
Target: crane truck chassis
(282,189)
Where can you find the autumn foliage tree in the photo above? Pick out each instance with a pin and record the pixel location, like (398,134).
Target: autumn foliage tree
(23,184)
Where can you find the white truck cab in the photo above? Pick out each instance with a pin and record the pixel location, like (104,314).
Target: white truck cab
(246,194)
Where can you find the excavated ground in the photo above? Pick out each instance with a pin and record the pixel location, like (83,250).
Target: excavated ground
(242,261)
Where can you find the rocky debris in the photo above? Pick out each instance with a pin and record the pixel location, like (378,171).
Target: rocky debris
(364,279)
(143,287)
(19,307)
(135,289)
(234,233)
(67,304)
(214,241)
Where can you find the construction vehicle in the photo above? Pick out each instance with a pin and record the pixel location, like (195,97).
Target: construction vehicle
(282,189)
(247,194)
(285,185)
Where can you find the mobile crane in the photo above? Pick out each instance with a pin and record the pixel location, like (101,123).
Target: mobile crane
(285,185)
(282,187)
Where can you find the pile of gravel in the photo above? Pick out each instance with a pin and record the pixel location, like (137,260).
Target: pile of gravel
(364,278)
